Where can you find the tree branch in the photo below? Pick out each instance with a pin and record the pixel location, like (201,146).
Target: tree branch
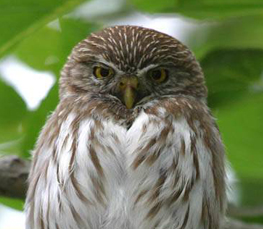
(244,211)
(13,176)
(13,183)
(235,224)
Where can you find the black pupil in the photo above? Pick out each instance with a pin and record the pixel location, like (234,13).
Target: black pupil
(156,75)
(104,72)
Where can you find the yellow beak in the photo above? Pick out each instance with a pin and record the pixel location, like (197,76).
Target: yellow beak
(128,86)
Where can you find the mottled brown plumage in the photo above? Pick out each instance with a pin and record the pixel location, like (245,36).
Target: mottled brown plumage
(132,143)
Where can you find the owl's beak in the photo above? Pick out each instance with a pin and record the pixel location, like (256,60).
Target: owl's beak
(128,87)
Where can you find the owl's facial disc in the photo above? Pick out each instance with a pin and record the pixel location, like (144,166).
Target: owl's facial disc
(128,90)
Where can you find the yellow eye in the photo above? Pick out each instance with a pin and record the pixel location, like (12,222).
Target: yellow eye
(159,75)
(102,72)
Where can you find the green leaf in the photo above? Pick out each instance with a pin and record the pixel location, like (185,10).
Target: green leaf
(25,17)
(155,6)
(202,9)
(80,29)
(251,191)
(236,93)
(12,115)
(234,33)
(13,203)
(231,74)
(10,102)
(41,50)
(51,46)
(242,128)
(218,9)
(235,83)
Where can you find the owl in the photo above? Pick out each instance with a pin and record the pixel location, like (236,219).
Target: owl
(132,143)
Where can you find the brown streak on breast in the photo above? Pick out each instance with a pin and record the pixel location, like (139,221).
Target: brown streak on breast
(92,133)
(48,210)
(175,196)
(185,218)
(109,149)
(142,154)
(45,168)
(42,225)
(141,194)
(188,189)
(79,193)
(216,184)
(182,151)
(196,165)
(55,161)
(65,142)
(156,189)
(204,211)
(173,167)
(98,125)
(154,211)
(115,137)
(164,133)
(206,136)
(56,128)
(195,157)
(144,128)
(138,160)
(73,149)
(206,217)
(78,219)
(190,121)
(104,149)
(151,159)
(176,175)
(157,224)
(99,190)
(96,162)
(59,202)
(73,153)
(32,190)
(57,173)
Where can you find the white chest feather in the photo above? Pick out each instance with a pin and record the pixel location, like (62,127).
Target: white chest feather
(156,174)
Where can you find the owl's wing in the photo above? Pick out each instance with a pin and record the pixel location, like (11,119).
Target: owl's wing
(176,160)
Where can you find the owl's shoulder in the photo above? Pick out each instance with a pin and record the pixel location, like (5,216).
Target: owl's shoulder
(189,112)
(180,107)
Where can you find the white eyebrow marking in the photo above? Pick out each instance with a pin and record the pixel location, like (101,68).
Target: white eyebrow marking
(110,64)
(147,68)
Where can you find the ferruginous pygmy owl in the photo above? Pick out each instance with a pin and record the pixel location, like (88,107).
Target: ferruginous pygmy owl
(132,143)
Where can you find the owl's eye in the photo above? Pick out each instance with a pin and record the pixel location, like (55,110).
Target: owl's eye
(158,75)
(102,72)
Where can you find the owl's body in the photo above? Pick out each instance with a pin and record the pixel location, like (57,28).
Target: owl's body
(99,165)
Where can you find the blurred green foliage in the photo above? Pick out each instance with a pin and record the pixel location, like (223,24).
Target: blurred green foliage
(230,50)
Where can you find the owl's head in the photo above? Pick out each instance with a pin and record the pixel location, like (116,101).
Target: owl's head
(132,65)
